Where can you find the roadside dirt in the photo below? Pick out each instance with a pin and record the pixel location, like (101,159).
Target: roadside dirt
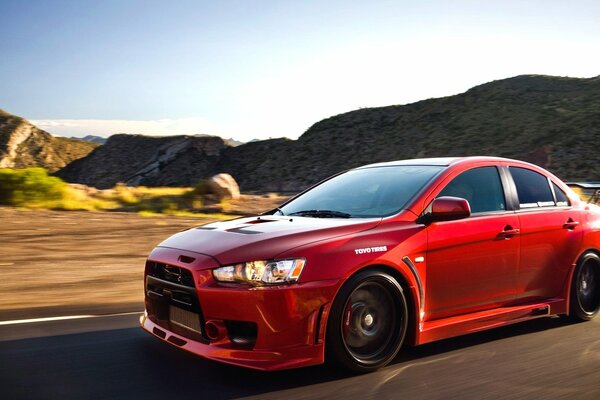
(69,262)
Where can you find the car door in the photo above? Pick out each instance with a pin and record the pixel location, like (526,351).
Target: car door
(472,262)
(550,235)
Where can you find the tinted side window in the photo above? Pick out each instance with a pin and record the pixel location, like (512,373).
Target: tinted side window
(481,187)
(532,188)
(561,197)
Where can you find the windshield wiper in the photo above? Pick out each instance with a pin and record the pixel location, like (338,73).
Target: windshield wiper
(321,214)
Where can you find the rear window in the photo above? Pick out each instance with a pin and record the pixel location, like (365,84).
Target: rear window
(533,188)
(561,197)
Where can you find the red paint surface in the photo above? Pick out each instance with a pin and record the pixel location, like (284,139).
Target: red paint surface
(479,272)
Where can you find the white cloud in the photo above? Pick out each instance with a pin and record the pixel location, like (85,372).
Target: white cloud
(160,127)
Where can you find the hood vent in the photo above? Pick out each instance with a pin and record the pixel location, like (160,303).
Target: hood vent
(242,229)
(247,224)
(258,220)
(185,259)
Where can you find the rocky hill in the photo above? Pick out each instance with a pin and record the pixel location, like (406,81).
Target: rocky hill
(551,121)
(24,145)
(148,161)
(92,138)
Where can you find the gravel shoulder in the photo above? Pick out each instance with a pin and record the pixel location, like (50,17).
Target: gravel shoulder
(69,262)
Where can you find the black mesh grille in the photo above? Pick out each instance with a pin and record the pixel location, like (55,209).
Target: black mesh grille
(172,302)
(171,273)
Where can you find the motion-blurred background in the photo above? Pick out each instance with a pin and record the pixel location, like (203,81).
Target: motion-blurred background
(121,117)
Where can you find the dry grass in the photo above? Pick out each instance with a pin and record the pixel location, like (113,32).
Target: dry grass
(33,188)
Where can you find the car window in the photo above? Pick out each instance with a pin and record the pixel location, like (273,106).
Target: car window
(366,192)
(481,187)
(533,188)
(561,197)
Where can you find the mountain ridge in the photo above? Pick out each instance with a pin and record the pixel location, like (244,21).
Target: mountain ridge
(147,160)
(24,145)
(550,121)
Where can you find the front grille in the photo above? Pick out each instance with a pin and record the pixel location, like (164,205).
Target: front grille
(171,273)
(172,302)
(185,319)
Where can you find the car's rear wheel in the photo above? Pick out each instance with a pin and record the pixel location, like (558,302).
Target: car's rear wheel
(585,290)
(368,322)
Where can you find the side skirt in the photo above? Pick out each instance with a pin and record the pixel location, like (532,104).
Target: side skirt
(468,323)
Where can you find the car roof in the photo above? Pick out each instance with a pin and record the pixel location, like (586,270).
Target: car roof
(438,161)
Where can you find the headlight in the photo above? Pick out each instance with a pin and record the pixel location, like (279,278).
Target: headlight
(261,272)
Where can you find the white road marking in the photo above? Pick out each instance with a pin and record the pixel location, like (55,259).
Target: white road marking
(62,318)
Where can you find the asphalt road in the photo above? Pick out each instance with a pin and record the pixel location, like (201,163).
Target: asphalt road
(111,358)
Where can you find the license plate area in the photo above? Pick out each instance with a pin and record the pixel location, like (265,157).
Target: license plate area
(185,319)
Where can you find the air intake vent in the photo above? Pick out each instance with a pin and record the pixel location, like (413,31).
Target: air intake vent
(260,221)
(186,259)
(242,229)
(171,273)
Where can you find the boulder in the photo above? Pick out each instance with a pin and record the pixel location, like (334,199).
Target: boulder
(224,186)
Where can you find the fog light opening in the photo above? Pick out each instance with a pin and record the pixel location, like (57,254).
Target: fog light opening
(242,333)
(215,330)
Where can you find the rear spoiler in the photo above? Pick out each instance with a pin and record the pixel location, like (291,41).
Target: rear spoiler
(589,189)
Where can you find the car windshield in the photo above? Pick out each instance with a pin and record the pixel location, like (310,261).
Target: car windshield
(363,193)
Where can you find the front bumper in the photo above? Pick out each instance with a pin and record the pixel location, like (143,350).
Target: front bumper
(288,321)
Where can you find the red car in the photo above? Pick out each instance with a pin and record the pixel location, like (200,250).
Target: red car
(381,256)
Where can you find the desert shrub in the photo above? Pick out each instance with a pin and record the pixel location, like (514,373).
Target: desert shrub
(33,187)
(126,195)
(27,186)
(201,188)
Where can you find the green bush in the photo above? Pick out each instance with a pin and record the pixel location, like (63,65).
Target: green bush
(126,195)
(34,188)
(30,186)
(201,188)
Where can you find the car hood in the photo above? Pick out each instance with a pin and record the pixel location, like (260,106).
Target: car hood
(264,237)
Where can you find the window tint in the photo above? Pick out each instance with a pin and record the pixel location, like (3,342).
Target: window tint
(561,197)
(533,189)
(481,187)
(366,192)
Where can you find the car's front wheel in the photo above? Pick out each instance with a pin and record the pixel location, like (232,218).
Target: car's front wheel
(585,290)
(368,322)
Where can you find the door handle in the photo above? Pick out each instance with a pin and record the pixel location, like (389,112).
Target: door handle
(570,224)
(509,232)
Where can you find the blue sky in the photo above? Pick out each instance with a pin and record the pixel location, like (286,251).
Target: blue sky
(258,69)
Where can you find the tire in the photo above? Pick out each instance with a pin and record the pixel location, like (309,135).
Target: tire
(585,288)
(368,322)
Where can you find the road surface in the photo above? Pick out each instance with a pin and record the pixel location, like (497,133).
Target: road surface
(109,357)
(84,264)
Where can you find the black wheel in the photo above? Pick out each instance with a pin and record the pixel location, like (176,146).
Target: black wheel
(585,290)
(368,322)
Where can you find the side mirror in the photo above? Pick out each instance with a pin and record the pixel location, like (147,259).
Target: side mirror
(447,208)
